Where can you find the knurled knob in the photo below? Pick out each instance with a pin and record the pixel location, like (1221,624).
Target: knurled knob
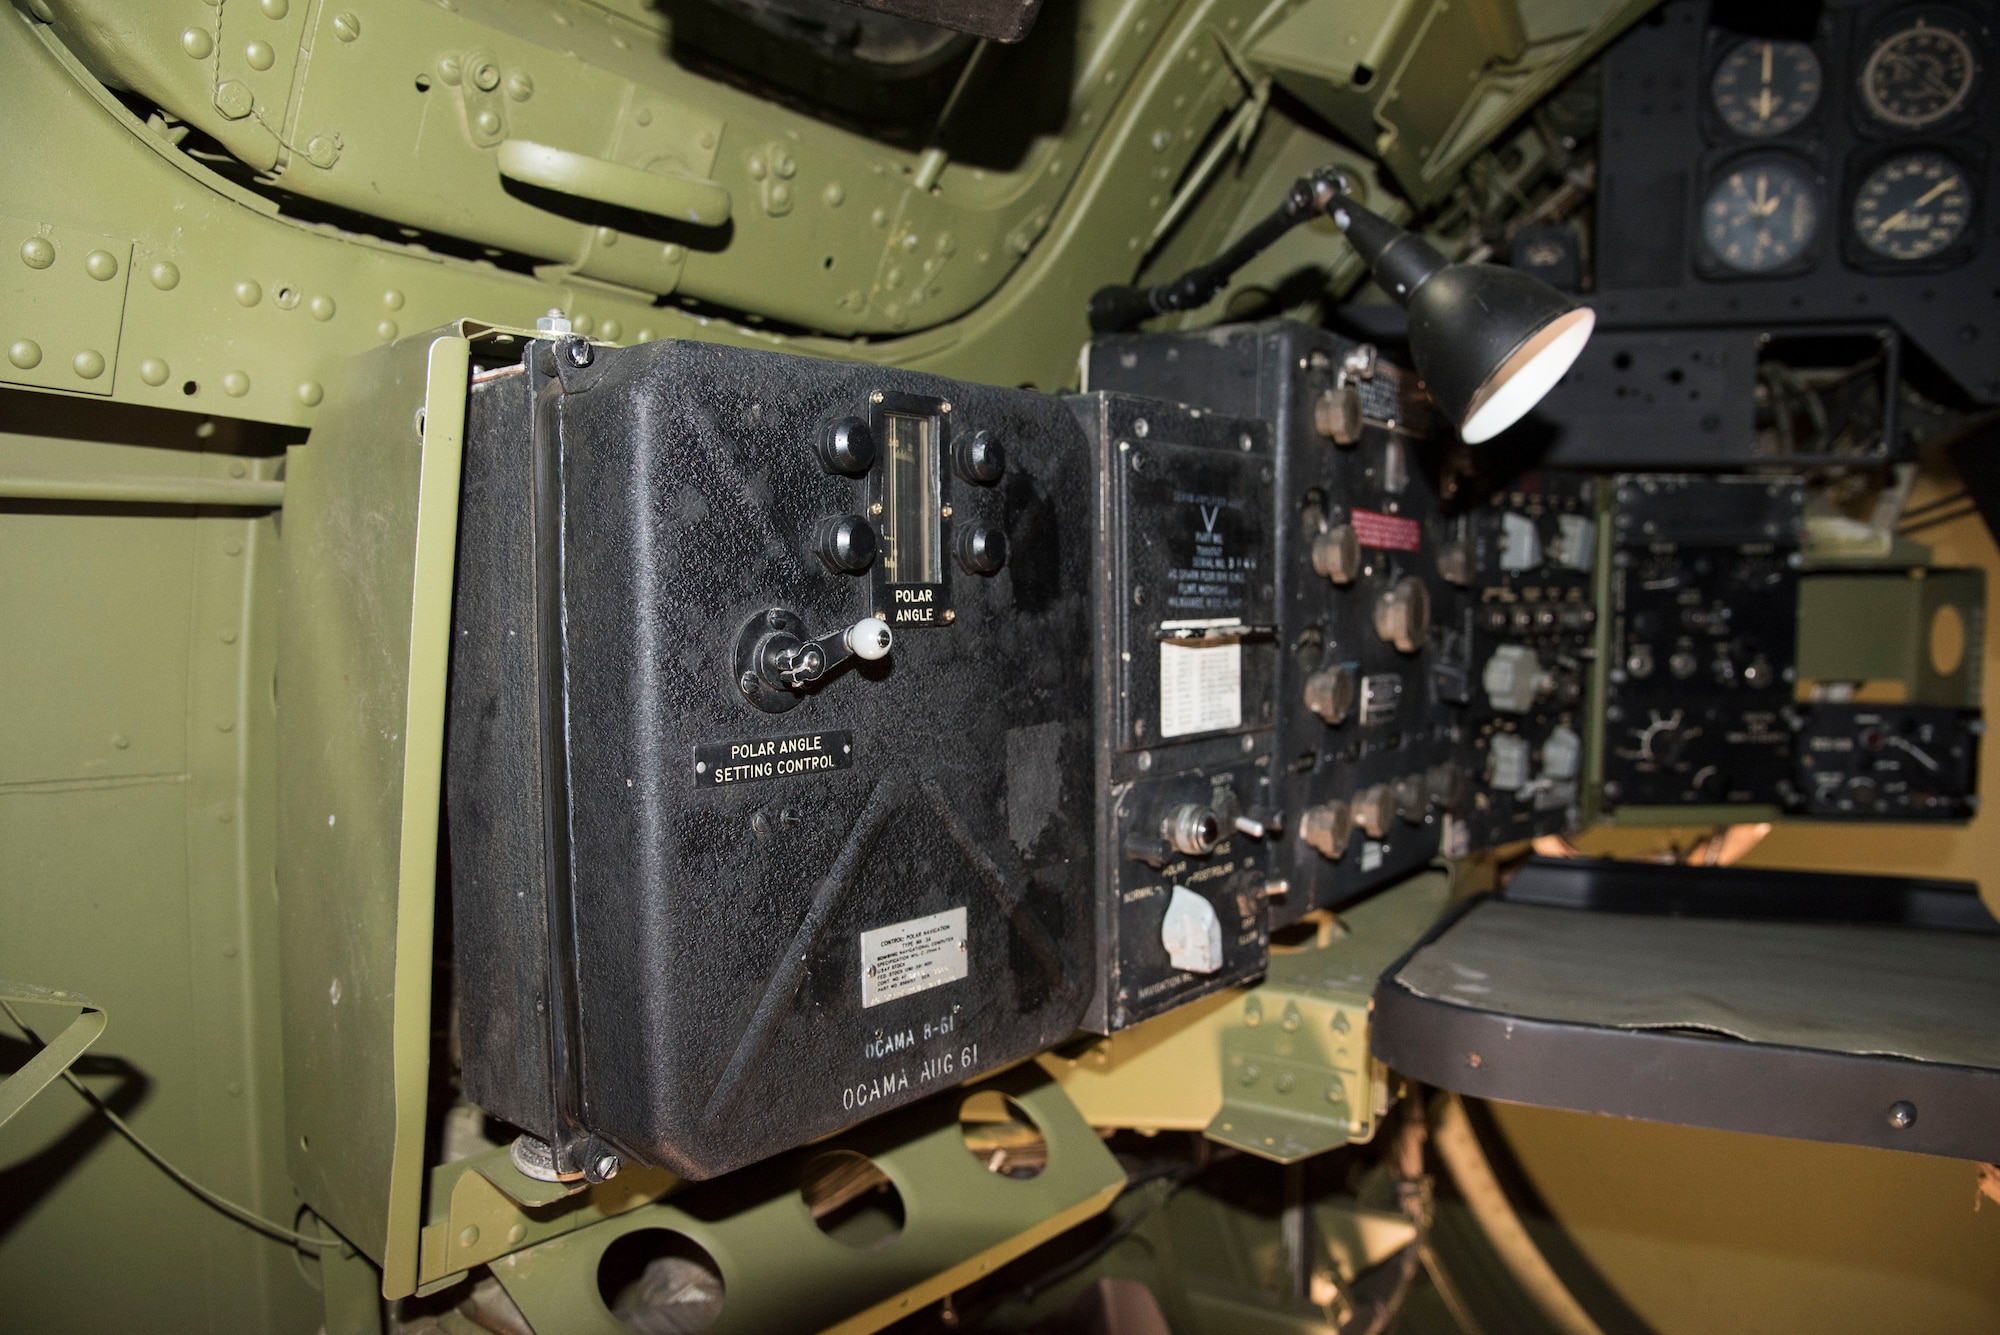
(1403,614)
(1373,809)
(1336,553)
(1326,828)
(1330,693)
(1337,415)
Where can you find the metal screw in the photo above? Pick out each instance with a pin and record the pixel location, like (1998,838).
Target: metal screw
(950,615)
(876,397)
(607,1167)
(578,352)
(1902,1114)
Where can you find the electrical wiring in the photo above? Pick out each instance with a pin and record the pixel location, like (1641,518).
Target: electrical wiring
(248,1218)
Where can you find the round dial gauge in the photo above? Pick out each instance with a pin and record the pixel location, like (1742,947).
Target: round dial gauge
(1913,206)
(1766,88)
(1760,216)
(1918,76)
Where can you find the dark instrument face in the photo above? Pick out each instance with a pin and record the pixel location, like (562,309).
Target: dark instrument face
(1918,76)
(1766,88)
(1761,216)
(1913,206)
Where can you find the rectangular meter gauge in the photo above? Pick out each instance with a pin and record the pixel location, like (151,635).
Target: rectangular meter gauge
(912,519)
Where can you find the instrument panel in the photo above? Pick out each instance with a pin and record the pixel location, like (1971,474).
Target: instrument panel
(1827,161)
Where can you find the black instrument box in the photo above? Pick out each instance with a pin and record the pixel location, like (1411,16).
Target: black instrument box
(1368,759)
(726,878)
(1187,663)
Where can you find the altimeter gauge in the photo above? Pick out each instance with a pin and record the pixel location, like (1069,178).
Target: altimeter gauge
(1913,206)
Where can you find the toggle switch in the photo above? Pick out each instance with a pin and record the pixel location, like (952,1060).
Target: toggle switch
(1259,824)
(776,662)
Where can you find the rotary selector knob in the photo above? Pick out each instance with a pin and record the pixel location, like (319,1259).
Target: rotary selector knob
(1403,614)
(1410,798)
(1454,563)
(1326,828)
(847,544)
(848,446)
(980,458)
(1446,785)
(1336,553)
(1330,693)
(982,549)
(1337,415)
(1374,807)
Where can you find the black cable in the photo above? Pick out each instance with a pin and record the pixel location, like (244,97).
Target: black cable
(1948,498)
(228,1207)
(1935,520)
(1177,1175)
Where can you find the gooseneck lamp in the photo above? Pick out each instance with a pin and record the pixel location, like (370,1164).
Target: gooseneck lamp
(1488,341)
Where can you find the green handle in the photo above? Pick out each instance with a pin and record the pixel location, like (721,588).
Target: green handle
(53,1060)
(686,199)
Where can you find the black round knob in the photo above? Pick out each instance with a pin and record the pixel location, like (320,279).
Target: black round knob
(848,446)
(981,458)
(847,544)
(982,549)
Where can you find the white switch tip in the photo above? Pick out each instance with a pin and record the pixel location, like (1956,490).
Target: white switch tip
(869,638)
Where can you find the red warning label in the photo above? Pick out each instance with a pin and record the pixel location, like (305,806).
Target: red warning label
(1390,531)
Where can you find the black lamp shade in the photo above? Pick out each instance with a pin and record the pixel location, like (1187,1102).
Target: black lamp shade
(1488,341)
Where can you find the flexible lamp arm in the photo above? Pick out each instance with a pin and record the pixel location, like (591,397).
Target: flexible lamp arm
(1488,341)
(1118,308)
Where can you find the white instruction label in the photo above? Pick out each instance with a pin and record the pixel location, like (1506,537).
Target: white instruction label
(1201,688)
(913,956)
